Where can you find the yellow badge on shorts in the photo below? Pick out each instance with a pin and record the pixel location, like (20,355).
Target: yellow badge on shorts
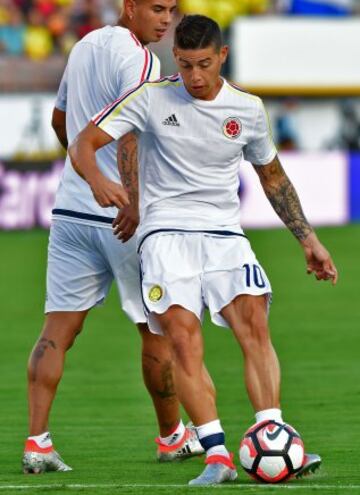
(155,293)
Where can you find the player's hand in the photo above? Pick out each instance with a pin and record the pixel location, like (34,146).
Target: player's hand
(318,260)
(108,193)
(125,223)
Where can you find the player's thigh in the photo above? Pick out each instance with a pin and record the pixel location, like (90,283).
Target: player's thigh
(182,329)
(231,270)
(78,276)
(171,275)
(124,263)
(247,313)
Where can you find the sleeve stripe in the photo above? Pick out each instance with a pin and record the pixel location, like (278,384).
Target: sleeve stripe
(148,59)
(150,67)
(135,39)
(109,108)
(144,72)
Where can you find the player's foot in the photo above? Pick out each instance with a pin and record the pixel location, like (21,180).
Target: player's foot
(218,470)
(311,464)
(37,460)
(188,446)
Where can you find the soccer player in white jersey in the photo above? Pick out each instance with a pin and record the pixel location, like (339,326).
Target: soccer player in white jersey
(84,257)
(193,251)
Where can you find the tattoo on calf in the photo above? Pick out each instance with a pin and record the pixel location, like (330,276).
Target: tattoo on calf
(162,385)
(41,347)
(168,390)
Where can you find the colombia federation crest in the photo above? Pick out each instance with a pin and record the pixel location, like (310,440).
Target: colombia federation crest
(232,127)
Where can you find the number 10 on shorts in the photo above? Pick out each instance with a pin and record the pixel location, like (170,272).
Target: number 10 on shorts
(254,276)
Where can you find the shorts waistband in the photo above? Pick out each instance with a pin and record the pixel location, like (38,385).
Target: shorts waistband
(216,232)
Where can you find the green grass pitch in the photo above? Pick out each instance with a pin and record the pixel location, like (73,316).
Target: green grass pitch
(103,423)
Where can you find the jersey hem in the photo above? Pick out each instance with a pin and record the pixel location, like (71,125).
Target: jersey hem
(82,218)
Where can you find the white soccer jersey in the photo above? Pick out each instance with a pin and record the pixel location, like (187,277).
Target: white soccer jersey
(103,65)
(189,152)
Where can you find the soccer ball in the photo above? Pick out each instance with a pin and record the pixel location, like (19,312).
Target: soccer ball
(271,452)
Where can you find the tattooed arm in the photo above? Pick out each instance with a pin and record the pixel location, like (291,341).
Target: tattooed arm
(127,219)
(285,201)
(128,166)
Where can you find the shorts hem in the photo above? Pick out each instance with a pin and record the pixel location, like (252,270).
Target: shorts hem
(86,307)
(219,321)
(154,327)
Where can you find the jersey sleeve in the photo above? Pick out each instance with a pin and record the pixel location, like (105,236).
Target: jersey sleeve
(126,114)
(142,66)
(61,98)
(260,150)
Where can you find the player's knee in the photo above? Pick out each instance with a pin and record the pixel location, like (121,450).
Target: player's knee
(62,332)
(186,348)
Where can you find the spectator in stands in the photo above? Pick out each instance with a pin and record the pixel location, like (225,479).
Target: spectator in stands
(12,33)
(38,40)
(223,11)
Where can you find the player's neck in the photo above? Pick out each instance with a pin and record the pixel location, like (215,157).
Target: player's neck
(126,23)
(215,90)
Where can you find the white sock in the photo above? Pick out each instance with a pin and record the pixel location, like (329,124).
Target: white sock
(209,429)
(218,450)
(175,436)
(269,414)
(43,440)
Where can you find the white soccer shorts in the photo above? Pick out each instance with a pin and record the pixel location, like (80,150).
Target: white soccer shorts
(83,261)
(198,270)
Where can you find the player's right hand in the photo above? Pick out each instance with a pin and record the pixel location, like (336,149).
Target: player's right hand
(108,193)
(125,223)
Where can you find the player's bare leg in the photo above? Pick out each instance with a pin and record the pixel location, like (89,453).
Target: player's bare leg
(45,369)
(46,364)
(196,392)
(176,442)
(157,368)
(247,316)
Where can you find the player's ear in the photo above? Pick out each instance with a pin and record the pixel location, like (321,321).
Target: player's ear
(175,52)
(129,8)
(224,51)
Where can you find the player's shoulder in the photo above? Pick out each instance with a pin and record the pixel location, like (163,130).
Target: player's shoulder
(117,39)
(164,82)
(241,95)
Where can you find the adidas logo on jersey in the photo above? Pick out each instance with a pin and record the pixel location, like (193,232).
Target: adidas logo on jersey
(172,120)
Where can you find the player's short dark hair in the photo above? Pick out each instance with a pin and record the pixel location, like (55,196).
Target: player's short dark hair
(197,31)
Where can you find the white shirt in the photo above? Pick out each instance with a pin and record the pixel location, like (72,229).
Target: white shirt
(189,152)
(102,66)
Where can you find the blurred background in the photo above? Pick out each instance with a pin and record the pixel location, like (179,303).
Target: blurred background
(301,56)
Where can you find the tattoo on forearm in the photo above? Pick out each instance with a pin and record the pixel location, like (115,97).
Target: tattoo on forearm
(128,166)
(41,347)
(284,199)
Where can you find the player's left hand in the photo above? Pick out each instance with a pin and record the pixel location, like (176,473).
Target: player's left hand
(318,260)
(125,223)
